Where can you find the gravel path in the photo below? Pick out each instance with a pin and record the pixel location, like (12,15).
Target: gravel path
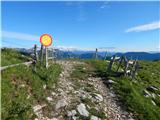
(65,99)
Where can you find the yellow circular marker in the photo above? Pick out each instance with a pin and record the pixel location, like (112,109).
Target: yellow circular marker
(46,40)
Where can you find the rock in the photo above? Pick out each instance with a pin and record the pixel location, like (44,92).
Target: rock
(44,86)
(153,103)
(53,119)
(61,103)
(28,96)
(38,107)
(94,118)
(110,82)
(152,88)
(146,93)
(112,94)
(153,95)
(82,110)
(22,85)
(49,99)
(53,93)
(98,97)
(71,115)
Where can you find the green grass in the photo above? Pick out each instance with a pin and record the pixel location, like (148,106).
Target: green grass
(130,92)
(15,105)
(11,56)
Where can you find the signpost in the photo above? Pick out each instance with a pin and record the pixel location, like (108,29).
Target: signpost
(46,40)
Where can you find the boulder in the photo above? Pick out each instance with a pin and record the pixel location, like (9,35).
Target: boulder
(82,110)
(61,103)
(94,118)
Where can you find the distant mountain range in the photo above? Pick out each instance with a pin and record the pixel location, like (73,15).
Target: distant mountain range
(61,54)
(141,55)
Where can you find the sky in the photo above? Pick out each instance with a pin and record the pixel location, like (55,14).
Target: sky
(118,26)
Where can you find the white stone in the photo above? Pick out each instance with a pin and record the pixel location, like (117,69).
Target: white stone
(71,113)
(82,110)
(28,96)
(61,103)
(98,97)
(49,99)
(153,103)
(94,118)
(146,93)
(44,86)
(38,107)
(110,81)
(22,85)
(53,119)
(53,93)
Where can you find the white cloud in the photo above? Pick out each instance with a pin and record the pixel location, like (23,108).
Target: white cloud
(20,36)
(145,27)
(105,5)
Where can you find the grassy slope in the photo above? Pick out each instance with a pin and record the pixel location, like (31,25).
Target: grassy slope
(11,56)
(131,92)
(20,82)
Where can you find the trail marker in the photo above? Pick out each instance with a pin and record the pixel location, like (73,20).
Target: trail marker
(46,40)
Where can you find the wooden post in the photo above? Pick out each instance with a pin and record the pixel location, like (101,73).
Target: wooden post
(135,69)
(46,52)
(41,54)
(96,54)
(111,63)
(35,52)
(105,57)
(121,60)
(126,67)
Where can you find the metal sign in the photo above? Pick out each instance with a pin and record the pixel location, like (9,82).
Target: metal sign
(46,40)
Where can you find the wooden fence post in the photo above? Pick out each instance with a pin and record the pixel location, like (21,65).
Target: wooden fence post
(126,66)
(111,63)
(120,63)
(41,54)
(135,69)
(35,52)
(46,52)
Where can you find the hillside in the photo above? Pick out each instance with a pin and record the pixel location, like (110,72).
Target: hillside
(79,90)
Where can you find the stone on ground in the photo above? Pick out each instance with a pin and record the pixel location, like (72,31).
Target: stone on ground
(82,110)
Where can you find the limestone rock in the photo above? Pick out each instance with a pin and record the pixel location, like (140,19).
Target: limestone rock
(82,110)
(49,99)
(61,103)
(98,97)
(94,118)
(71,114)
(110,82)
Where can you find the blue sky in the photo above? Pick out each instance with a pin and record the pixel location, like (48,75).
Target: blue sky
(126,26)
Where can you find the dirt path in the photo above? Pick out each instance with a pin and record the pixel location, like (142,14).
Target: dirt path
(80,99)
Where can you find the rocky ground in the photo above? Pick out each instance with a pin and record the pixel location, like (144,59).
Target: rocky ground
(86,99)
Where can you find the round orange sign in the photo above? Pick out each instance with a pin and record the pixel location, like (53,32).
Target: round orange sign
(46,40)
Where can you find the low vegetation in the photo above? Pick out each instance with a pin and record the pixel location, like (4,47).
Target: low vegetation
(23,87)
